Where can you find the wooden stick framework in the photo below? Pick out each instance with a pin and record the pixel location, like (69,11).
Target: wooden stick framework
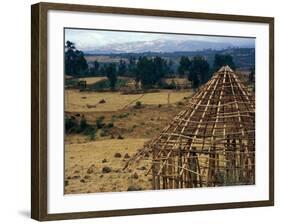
(211,142)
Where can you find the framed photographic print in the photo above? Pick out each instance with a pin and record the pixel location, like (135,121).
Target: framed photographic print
(138,111)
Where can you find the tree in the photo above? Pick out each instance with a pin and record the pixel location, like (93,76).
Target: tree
(122,67)
(252,74)
(199,71)
(102,70)
(95,69)
(160,69)
(132,66)
(184,65)
(144,72)
(171,66)
(222,60)
(150,71)
(96,65)
(111,74)
(75,62)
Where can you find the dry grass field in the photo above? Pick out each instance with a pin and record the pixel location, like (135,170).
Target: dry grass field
(96,165)
(92,80)
(76,101)
(104,59)
(179,81)
(129,123)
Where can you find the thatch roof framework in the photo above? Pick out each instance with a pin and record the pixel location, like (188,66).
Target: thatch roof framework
(209,143)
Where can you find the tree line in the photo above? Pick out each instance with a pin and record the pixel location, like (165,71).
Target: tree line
(146,70)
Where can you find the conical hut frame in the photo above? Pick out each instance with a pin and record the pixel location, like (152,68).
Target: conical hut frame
(209,143)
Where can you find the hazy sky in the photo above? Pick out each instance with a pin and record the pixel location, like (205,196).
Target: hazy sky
(87,39)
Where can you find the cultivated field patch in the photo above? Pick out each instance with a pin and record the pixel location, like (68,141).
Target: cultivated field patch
(92,80)
(113,101)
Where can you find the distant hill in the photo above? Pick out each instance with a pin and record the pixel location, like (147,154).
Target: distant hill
(244,58)
(165,45)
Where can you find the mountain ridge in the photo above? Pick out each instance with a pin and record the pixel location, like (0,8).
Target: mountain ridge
(161,45)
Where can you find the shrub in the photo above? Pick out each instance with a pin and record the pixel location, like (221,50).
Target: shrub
(123,115)
(87,177)
(142,168)
(180,103)
(104,132)
(66,183)
(73,126)
(104,161)
(90,170)
(110,125)
(99,122)
(138,105)
(105,84)
(135,176)
(91,132)
(70,83)
(70,124)
(117,155)
(134,188)
(106,169)
(126,156)
(171,85)
(83,124)
(120,137)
